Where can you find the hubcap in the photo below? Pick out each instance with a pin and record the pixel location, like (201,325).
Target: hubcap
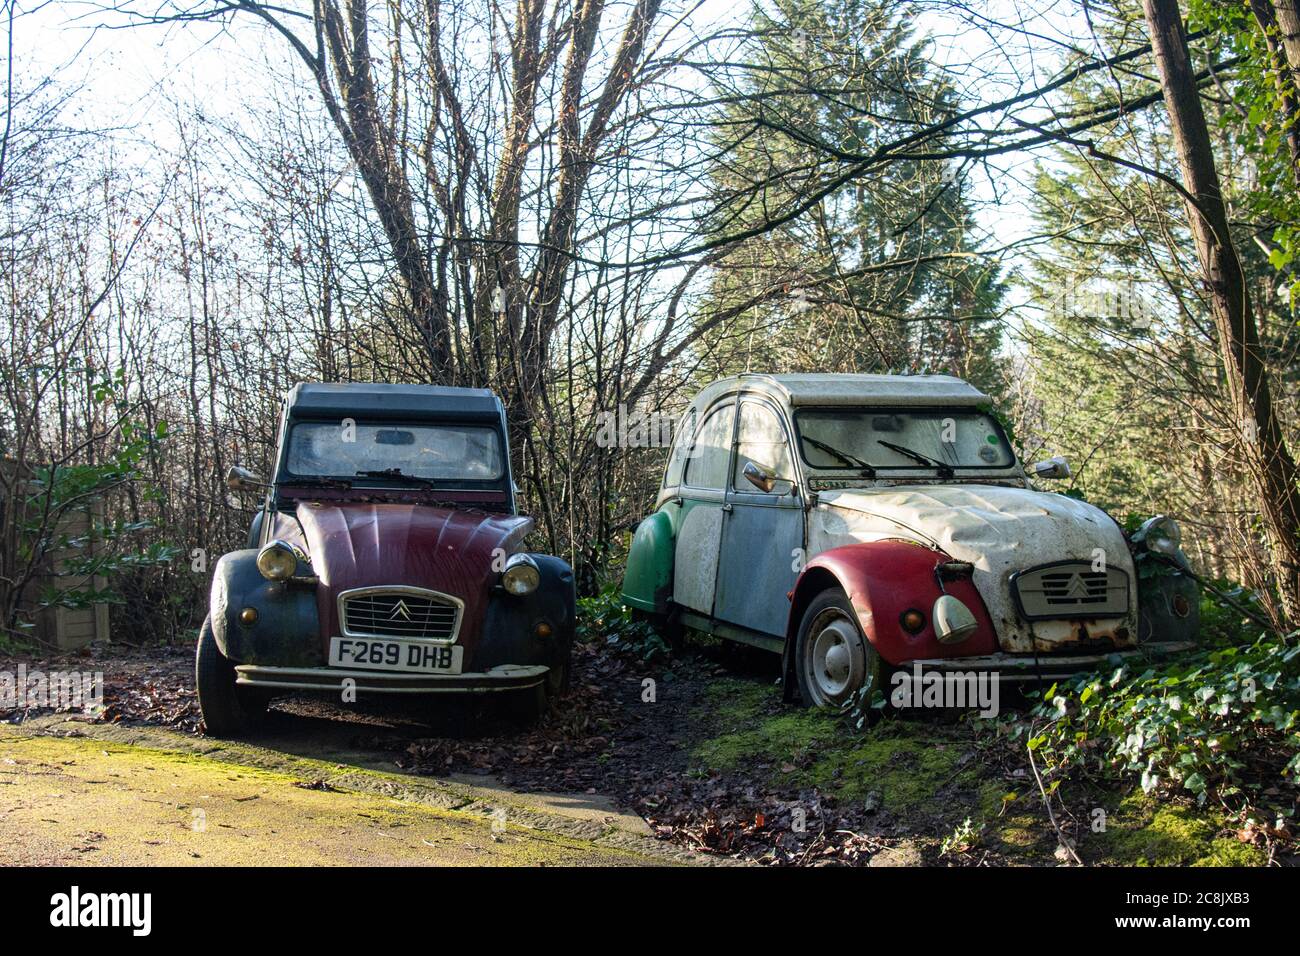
(835,660)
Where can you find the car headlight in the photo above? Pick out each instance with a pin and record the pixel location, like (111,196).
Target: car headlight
(1162,534)
(521,575)
(953,620)
(277,561)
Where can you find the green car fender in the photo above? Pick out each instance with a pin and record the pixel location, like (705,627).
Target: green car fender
(648,579)
(1169,602)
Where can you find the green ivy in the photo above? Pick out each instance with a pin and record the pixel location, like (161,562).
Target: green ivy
(1258,90)
(1212,725)
(604,617)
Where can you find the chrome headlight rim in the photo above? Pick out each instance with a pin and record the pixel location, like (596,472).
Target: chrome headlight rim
(521,576)
(277,561)
(1162,534)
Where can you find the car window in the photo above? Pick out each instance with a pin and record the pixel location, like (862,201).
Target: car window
(707,464)
(892,439)
(760,439)
(452,452)
(681,443)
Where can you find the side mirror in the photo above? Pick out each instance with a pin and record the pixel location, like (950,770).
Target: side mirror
(241,479)
(1056,467)
(759,477)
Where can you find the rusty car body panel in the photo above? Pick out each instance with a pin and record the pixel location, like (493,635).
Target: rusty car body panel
(397,544)
(1001,531)
(884,580)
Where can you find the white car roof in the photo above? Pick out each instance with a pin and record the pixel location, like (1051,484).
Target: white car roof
(823,388)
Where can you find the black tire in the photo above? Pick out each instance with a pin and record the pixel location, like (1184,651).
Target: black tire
(835,664)
(228,710)
(670,628)
(526,707)
(531,704)
(557,679)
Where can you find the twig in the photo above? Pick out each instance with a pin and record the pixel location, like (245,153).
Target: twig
(1047,802)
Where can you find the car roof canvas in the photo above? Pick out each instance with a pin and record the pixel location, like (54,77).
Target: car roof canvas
(383,400)
(823,389)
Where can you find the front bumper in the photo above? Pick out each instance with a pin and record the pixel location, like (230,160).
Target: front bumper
(501,678)
(1014,668)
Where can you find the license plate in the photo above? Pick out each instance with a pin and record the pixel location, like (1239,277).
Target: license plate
(380,654)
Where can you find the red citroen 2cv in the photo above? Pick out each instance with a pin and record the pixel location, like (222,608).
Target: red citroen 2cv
(387,558)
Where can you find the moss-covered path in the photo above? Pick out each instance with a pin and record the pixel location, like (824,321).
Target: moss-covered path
(70,795)
(715,768)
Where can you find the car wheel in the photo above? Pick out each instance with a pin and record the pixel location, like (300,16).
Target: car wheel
(669,627)
(834,662)
(526,707)
(531,704)
(557,679)
(228,709)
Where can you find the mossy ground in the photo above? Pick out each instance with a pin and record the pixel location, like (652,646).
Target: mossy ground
(926,789)
(932,776)
(68,801)
(1143,832)
(903,763)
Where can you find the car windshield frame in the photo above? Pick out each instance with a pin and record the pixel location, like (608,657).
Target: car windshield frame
(285,474)
(929,411)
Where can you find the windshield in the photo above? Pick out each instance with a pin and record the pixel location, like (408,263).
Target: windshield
(433,452)
(934,439)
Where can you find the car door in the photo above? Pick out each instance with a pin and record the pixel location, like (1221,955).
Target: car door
(762,531)
(703,496)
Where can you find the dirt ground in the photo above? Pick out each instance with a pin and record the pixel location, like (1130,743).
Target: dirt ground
(72,801)
(695,757)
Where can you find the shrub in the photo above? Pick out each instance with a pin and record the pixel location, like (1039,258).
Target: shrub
(1221,723)
(605,617)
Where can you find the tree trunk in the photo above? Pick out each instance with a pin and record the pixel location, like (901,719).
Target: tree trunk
(1288,23)
(1267,458)
(1266,17)
(373,147)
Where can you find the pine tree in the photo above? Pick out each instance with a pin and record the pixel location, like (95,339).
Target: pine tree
(878,276)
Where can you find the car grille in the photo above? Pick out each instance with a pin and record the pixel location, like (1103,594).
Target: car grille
(412,614)
(1071,589)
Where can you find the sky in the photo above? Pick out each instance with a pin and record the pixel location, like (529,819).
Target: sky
(129,77)
(125,74)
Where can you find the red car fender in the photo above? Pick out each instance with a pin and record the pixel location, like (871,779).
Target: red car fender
(883,579)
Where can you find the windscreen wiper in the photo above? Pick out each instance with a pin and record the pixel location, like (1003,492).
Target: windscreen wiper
(397,473)
(868,469)
(316,481)
(945,469)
